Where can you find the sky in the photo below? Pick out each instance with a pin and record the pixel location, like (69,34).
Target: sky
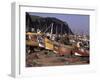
(79,24)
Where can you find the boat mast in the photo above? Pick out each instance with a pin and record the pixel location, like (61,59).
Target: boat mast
(51,30)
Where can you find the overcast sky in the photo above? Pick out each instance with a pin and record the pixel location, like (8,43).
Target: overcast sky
(78,23)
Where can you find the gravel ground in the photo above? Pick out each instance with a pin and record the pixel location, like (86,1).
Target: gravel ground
(48,58)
